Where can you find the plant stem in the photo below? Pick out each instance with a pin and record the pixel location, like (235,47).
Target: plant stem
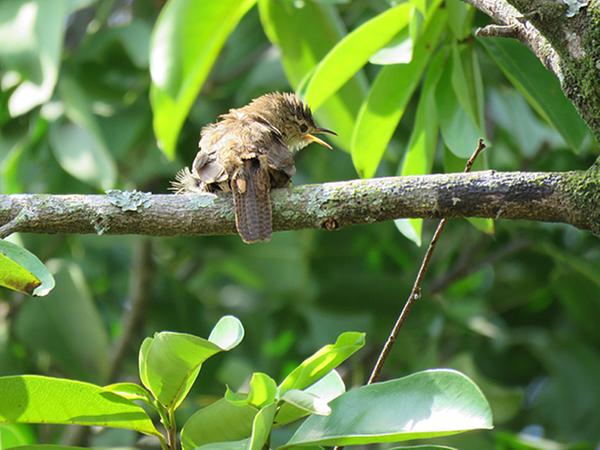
(171,430)
(415,293)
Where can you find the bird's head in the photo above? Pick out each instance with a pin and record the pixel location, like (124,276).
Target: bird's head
(293,118)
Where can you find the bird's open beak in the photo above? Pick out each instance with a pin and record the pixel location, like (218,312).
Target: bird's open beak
(319,141)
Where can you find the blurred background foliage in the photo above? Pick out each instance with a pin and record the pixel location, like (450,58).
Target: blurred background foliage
(90,88)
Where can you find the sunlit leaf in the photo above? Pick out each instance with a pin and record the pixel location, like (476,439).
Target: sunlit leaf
(130,391)
(170,362)
(38,399)
(310,403)
(327,388)
(387,100)
(262,391)
(22,271)
(422,405)
(323,361)
(221,421)
(186,41)
(353,52)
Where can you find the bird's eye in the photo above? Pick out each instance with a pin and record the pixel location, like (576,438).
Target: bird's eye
(303,128)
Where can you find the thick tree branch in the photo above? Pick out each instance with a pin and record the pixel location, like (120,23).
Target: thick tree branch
(569,197)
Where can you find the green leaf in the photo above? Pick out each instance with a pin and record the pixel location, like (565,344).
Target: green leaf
(327,388)
(380,113)
(422,144)
(227,333)
(306,401)
(22,271)
(130,391)
(67,326)
(79,146)
(262,391)
(186,41)
(261,427)
(323,361)
(539,87)
(426,404)
(221,421)
(170,362)
(398,51)
(305,35)
(353,52)
(467,84)
(459,130)
(457,18)
(38,399)
(16,434)
(31,32)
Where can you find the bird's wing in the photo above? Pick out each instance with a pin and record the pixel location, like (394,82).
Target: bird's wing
(206,165)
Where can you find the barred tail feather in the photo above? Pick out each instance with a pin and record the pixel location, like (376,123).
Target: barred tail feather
(251,195)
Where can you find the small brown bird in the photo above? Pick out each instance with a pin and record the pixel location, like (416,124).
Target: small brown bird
(250,151)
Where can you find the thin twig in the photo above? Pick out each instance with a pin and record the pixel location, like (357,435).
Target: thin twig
(415,293)
(13,225)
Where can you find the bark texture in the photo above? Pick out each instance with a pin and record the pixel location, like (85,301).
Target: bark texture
(568,197)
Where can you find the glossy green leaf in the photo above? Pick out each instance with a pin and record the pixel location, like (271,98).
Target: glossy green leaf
(261,427)
(305,35)
(79,146)
(219,422)
(32,32)
(398,51)
(422,144)
(67,326)
(227,333)
(539,87)
(426,404)
(22,271)
(327,388)
(130,391)
(38,399)
(170,362)
(306,401)
(262,391)
(387,100)
(323,361)
(186,41)
(353,52)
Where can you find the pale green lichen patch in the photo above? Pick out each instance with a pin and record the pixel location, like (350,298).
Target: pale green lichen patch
(129,200)
(202,200)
